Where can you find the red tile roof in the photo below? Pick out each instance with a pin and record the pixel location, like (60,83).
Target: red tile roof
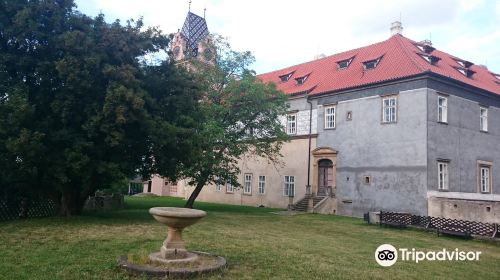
(399,58)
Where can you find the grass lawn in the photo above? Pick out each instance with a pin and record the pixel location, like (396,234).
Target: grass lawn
(256,243)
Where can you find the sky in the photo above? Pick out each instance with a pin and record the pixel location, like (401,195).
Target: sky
(282,33)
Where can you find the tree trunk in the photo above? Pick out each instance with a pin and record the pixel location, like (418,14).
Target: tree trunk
(194,194)
(69,203)
(65,204)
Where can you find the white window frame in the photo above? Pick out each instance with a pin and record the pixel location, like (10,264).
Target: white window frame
(262,184)
(391,109)
(247,183)
(218,186)
(443,176)
(229,187)
(442,109)
(485,178)
(289,185)
(483,119)
(291,123)
(330,118)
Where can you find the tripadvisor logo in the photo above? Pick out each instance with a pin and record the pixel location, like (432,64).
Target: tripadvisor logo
(387,255)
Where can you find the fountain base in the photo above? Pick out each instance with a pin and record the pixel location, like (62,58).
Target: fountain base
(187,257)
(205,263)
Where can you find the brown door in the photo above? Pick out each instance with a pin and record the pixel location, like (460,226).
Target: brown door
(325,176)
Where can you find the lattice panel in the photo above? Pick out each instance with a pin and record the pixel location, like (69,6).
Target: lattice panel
(397,218)
(16,209)
(420,221)
(477,228)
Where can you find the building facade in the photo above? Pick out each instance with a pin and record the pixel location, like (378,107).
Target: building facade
(394,126)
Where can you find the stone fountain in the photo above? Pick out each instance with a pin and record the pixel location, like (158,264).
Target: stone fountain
(173,249)
(173,260)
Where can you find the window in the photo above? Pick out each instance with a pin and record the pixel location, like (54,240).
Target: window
(330,117)
(367,180)
(426,57)
(349,116)
(173,186)
(466,72)
(289,187)
(371,64)
(463,63)
(301,80)
(343,64)
(442,175)
(484,178)
(229,187)
(291,123)
(483,119)
(262,184)
(247,186)
(430,58)
(389,106)
(425,46)
(442,109)
(285,78)
(218,186)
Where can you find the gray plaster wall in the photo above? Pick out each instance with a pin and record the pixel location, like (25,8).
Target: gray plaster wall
(393,155)
(460,141)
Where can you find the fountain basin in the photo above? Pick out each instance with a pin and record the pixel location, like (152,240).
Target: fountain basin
(177,217)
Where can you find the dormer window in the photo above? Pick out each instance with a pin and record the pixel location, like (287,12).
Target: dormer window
(463,63)
(466,72)
(343,64)
(301,80)
(430,58)
(425,46)
(371,64)
(285,78)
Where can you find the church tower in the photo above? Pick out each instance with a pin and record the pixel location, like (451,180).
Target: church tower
(192,41)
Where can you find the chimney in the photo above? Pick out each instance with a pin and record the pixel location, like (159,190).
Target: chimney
(396,28)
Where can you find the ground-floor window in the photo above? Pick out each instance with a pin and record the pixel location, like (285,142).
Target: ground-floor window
(289,186)
(229,187)
(173,188)
(485,178)
(262,184)
(218,186)
(442,175)
(247,184)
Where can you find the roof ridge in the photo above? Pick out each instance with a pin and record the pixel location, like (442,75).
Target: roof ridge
(405,50)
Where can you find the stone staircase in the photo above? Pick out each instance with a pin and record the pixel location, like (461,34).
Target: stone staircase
(301,205)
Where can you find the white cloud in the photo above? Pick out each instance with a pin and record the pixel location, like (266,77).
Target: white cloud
(281,33)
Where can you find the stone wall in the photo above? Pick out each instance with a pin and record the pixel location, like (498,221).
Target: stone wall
(464,206)
(104,202)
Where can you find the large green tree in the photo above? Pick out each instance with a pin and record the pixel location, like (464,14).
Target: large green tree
(240,116)
(79,109)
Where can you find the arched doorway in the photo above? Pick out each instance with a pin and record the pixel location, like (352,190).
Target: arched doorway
(324,171)
(325,177)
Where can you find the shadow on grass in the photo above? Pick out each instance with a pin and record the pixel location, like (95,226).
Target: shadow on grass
(137,210)
(148,202)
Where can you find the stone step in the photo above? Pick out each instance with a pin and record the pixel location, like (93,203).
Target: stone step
(302,204)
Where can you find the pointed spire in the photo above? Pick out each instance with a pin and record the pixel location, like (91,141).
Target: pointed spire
(189,10)
(204,12)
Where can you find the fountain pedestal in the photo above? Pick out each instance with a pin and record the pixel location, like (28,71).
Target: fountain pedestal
(173,260)
(174,247)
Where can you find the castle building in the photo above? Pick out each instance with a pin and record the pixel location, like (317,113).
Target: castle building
(397,126)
